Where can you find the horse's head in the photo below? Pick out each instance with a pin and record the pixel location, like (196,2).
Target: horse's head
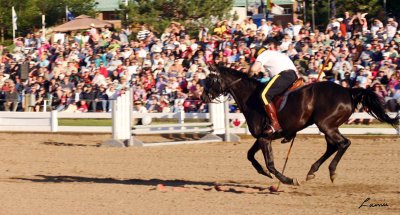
(219,82)
(214,86)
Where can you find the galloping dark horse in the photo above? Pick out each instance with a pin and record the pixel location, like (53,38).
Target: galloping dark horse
(326,104)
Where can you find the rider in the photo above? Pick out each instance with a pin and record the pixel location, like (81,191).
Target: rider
(283,75)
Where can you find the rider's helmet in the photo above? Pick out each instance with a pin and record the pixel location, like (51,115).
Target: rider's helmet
(260,50)
(266,45)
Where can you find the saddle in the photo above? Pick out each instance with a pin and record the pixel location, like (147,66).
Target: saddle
(280,100)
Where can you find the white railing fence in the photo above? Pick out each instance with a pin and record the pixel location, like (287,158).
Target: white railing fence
(49,122)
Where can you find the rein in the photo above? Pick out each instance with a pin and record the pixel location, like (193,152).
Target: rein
(229,88)
(232,84)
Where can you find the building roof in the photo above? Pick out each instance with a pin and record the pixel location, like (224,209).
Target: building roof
(82,22)
(242,3)
(108,5)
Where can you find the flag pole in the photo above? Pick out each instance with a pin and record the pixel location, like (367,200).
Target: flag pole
(13,22)
(44,26)
(66,13)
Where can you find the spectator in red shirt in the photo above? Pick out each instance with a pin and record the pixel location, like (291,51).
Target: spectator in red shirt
(342,27)
(103,70)
(83,107)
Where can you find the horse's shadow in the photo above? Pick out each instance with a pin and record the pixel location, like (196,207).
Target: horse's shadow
(81,179)
(54,143)
(234,187)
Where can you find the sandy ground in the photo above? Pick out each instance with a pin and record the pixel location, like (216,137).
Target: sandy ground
(69,174)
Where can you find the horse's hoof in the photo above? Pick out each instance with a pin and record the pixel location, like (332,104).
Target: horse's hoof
(333,176)
(269,175)
(296,182)
(310,176)
(266,173)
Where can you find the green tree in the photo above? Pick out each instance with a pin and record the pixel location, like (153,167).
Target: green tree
(192,13)
(372,7)
(29,13)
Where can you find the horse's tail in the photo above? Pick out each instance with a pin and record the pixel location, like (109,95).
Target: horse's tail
(373,104)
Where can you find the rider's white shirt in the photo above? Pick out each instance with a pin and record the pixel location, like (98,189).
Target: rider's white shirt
(275,62)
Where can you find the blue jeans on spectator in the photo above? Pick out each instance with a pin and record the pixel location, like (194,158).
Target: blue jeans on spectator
(104,105)
(110,103)
(60,108)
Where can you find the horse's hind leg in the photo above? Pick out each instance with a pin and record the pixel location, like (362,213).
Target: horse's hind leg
(251,157)
(266,148)
(339,141)
(342,148)
(331,148)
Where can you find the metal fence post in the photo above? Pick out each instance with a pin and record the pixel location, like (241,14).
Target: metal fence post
(398,127)
(227,126)
(181,115)
(54,121)
(130,110)
(45,105)
(217,116)
(115,120)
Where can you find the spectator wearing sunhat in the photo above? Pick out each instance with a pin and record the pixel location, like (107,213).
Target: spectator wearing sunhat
(391,29)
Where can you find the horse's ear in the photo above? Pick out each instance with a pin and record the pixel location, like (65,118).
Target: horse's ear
(212,67)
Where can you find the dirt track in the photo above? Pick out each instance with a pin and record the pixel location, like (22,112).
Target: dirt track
(68,174)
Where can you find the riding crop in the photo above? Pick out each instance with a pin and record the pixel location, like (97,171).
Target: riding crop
(276,189)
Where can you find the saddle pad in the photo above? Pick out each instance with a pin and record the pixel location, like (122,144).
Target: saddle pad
(280,101)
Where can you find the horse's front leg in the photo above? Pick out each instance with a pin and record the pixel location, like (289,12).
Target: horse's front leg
(251,157)
(266,147)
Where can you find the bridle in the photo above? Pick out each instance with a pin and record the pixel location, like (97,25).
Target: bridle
(228,88)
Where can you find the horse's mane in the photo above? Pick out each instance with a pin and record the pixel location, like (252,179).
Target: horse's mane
(239,74)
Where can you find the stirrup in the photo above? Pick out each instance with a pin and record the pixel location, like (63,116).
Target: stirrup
(285,140)
(273,131)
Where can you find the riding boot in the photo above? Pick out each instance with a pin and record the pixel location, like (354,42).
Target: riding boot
(275,127)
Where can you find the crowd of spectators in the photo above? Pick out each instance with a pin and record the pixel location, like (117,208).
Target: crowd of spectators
(85,71)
